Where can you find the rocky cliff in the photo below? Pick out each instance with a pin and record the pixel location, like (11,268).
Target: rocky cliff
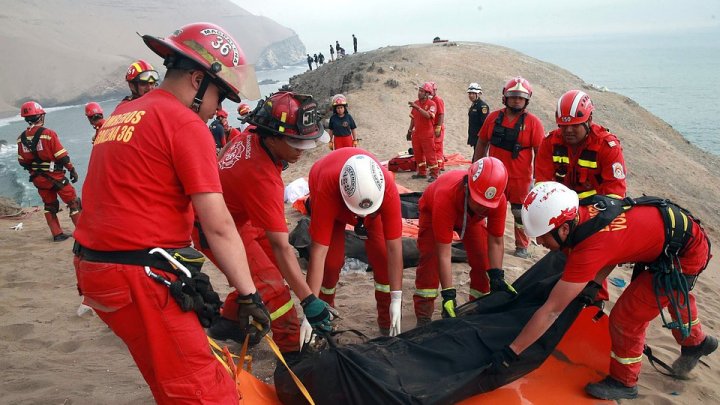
(66,51)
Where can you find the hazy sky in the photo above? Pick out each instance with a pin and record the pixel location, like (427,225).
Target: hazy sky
(378,23)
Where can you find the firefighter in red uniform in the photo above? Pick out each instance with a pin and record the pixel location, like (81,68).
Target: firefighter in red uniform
(152,167)
(94,114)
(349,186)
(552,214)
(513,135)
(461,201)
(286,125)
(141,78)
(243,110)
(580,154)
(41,153)
(439,127)
(422,133)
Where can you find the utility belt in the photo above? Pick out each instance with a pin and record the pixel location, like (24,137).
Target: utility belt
(192,290)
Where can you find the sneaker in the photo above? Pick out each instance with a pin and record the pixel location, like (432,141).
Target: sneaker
(521,253)
(690,356)
(431,179)
(418,176)
(611,389)
(225,329)
(60,237)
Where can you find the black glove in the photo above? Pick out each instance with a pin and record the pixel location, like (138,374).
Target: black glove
(498,283)
(73,175)
(316,312)
(251,305)
(501,360)
(449,302)
(408,136)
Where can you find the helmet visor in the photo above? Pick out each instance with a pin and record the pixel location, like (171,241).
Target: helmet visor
(300,143)
(148,76)
(240,81)
(520,94)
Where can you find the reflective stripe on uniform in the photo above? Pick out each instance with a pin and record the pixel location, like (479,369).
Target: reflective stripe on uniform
(60,152)
(327,291)
(477,294)
(625,360)
(591,164)
(282,310)
(561,159)
(385,288)
(421,164)
(426,292)
(586,194)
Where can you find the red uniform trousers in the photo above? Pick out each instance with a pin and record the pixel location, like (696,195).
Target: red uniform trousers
(342,141)
(427,276)
(377,256)
(637,306)
(49,193)
(516,191)
(440,149)
(168,345)
(424,152)
(270,284)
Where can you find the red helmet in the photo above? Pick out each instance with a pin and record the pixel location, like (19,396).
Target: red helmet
(92,109)
(427,87)
(141,71)
(339,99)
(244,109)
(487,179)
(574,107)
(517,87)
(215,51)
(221,113)
(290,114)
(30,109)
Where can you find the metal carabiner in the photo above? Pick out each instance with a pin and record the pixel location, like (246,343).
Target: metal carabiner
(172,261)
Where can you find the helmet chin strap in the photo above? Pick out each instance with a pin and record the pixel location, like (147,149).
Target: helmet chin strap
(197,101)
(555,233)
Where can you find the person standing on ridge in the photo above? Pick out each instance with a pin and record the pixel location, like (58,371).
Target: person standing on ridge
(513,135)
(43,156)
(153,167)
(354,43)
(337,48)
(477,113)
(595,242)
(332,53)
(285,126)
(349,186)
(94,114)
(342,125)
(309,61)
(321,58)
(422,133)
(315,59)
(472,203)
(439,128)
(141,78)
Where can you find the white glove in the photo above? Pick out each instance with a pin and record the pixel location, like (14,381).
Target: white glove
(395,312)
(306,332)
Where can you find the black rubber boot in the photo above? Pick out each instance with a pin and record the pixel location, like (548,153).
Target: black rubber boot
(611,389)
(690,356)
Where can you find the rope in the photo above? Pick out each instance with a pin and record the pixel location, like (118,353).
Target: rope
(669,282)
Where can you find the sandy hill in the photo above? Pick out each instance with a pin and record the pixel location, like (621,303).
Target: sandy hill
(50,355)
(65,51)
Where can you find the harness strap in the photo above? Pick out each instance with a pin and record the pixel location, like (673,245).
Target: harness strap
(506,138)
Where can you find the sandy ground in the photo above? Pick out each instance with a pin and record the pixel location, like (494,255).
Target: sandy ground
(53,356)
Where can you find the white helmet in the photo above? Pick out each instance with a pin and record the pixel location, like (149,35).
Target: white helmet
(474,88)
(548,206)
(362,185)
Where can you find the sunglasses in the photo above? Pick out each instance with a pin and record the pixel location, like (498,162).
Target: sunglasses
(149,76)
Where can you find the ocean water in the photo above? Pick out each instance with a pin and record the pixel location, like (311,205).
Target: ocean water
(671,75)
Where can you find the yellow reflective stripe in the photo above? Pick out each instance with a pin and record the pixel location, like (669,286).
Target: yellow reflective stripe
(60,152)
(477,294)
(561,159)
(587,163)
(626,360)
(281,311)
(426,293)
(586,194)
(421,164)
(614,196)
(46,137)
(382,287)
(327,291)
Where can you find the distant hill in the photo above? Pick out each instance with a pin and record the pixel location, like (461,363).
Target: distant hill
(379,84)
(65,51)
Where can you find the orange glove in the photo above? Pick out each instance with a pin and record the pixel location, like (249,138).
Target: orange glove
(438,130)
(331,145)
(355,143)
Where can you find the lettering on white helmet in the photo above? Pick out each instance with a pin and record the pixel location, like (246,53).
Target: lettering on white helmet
(618,171)
(490,193)
(377,176)
(348,180)
(478,171)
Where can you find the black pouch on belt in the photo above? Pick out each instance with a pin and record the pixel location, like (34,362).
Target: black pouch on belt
(194,293)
